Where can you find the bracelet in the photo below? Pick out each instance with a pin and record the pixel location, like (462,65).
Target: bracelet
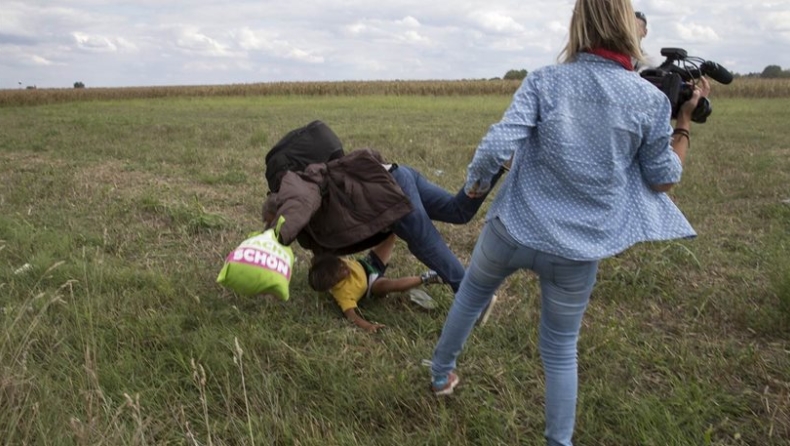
(682,132)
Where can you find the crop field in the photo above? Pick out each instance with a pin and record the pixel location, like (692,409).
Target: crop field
(740,88)
(118,207)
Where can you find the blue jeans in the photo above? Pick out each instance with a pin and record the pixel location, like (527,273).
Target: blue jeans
(431,202)
(565,288)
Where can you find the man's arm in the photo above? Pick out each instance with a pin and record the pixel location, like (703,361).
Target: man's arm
(297,201)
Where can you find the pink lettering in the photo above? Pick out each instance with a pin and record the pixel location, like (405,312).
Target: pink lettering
(261,259)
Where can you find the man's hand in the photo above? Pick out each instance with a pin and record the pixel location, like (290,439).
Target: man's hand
(478,190)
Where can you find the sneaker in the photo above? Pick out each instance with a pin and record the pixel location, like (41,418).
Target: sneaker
(444,386)
(422,298)
(486,311)
(430,277)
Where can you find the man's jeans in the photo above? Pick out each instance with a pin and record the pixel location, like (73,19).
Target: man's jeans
(431,202)
(565,287)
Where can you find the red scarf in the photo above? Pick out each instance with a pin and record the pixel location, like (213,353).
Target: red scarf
(620,58)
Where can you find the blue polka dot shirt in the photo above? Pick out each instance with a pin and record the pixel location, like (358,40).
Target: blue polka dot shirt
(588,139)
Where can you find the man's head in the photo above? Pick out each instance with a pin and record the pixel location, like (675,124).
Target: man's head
(641,24)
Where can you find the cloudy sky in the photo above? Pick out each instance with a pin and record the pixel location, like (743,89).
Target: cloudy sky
(53,44)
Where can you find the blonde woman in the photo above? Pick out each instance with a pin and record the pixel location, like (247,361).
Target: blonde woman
(593,153)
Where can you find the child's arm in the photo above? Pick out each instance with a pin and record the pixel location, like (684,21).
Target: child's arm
(384,285)
(352,315)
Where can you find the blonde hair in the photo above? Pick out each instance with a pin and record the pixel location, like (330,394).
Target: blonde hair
(608,24)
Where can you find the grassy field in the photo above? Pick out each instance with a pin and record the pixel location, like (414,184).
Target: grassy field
(116,332)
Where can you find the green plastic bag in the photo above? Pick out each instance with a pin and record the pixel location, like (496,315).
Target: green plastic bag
(259,265)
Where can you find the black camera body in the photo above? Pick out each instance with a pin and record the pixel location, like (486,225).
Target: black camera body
(675,77)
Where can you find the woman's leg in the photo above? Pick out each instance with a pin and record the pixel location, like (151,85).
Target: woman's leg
(493,259)
(565,287)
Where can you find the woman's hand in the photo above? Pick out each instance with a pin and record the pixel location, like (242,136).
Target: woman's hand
(701,90)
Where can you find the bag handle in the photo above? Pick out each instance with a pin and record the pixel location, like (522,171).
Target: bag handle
(280,222)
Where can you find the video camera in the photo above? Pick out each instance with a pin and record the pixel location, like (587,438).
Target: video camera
(676,75)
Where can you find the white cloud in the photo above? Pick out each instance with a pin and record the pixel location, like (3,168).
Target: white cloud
(38,60)
(696,33)
(357,28)
(509,45)
(304,56)
(402,30)
(777,26)
(194,42)
(409,22)
(258,41)
(557,27)
(206,66)
(93,43)
(414,36)
(497,22)
(107,43)
(250,40)
(124,44)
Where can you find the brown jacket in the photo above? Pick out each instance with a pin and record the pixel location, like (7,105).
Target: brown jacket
(344,206)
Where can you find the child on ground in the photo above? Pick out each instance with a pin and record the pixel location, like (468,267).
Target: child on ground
(349,280)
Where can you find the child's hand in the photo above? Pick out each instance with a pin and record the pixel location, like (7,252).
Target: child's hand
(359,321)
(374,328)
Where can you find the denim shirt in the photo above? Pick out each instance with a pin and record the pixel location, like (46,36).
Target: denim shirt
(588,139)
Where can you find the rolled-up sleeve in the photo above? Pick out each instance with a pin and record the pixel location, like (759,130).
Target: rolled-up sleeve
(506,136)
(298,200)
(658,162)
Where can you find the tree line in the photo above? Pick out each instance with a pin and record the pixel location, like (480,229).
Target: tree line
(775,72)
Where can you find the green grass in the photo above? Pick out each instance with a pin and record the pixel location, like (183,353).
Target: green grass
(118,334)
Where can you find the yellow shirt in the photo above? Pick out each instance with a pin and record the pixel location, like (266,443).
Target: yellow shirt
(354,287)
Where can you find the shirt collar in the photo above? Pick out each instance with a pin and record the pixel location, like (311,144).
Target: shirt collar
(622,59)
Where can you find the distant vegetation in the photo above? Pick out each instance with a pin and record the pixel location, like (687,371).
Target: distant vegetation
(346,88)
(771,72)
(515,75)
(742,87)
